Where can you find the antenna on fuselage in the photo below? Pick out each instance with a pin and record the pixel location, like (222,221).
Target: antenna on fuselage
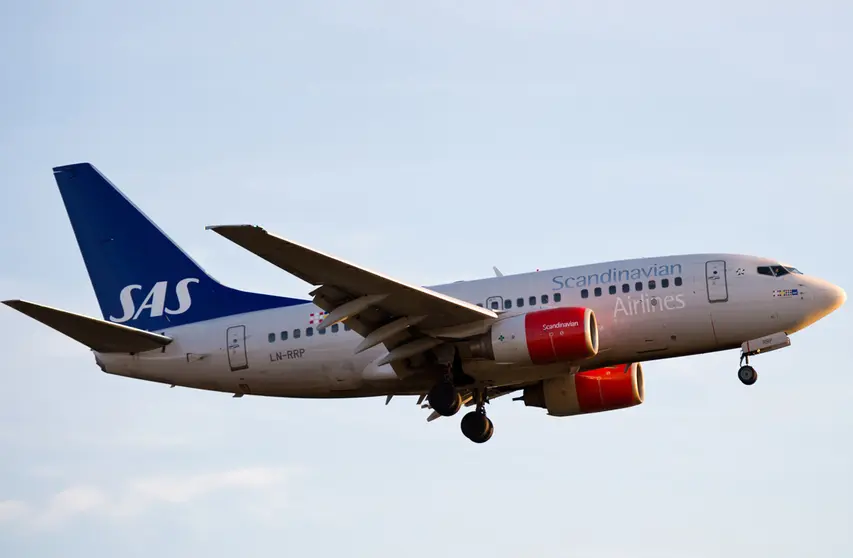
(497,271)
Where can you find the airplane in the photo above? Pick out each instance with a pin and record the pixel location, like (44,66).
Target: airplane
(572,341)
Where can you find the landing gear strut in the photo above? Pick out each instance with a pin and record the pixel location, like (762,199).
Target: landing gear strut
(476,426)
(746,373)
(443,397)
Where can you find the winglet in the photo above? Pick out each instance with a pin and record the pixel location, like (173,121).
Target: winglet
(98,335)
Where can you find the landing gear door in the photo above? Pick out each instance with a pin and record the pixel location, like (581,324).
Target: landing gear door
(715,279)
(236,339)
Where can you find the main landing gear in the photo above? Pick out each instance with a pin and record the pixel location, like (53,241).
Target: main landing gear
(476,426)
(444,397)
(746,373)
(446,401)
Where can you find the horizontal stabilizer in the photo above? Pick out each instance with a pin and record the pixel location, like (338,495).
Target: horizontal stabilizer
(104,337)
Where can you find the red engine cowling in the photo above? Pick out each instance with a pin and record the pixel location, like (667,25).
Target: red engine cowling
(604,389)
(541,337)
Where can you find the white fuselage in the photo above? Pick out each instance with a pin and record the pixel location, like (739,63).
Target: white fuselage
(661,308)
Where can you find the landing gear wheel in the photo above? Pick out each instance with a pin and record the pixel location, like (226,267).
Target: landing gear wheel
(477,427)
(444,399)
(747,375)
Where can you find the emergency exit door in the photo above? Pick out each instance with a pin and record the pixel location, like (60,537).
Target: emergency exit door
(715,279)
(495,303)
(236,339)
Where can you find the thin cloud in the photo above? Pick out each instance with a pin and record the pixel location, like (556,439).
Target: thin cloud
(137,496)
(11,510)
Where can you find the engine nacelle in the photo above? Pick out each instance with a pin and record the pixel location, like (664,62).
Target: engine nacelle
(540,337)
(604,389)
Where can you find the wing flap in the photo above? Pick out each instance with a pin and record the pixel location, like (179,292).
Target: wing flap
(101,336)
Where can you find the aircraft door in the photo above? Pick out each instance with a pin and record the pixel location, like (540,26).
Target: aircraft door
(495,303)
(715,279)
(236,339)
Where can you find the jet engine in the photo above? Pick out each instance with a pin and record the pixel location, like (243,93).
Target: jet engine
(540,337)
(604,389)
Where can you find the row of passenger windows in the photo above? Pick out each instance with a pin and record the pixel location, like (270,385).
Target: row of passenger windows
(495,305)
(309,332)
(638,286)
(519,302)
(544,299)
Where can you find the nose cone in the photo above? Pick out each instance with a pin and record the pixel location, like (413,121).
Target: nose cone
(840,298)
(830,297)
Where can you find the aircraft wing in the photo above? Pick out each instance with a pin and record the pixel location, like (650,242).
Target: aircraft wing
(371,303)
(99,335)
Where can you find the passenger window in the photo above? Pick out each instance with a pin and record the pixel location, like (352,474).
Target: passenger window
(532,301)
(519,302)
(544,299)
(664,283)
(598,291)
(638,286)
(652,285)
(284,336)
(507,304)
(584,293)
(612,289)
(558,297)
(495,305)
(347,327)
(480,304)
(678,281)
(626,288)
(321,331)
(271,337)
(297,334)
(309,331)
(334,328)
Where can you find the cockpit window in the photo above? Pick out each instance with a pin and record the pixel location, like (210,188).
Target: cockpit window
(777,270)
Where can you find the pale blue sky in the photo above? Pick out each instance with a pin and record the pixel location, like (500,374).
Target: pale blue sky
(430,141)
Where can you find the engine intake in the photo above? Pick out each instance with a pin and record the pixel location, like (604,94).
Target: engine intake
(604,389)
(540,337)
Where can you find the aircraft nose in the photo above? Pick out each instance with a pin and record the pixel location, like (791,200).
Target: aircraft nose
(831,297)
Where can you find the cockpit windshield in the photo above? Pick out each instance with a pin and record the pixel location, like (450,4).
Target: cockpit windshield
(778,270)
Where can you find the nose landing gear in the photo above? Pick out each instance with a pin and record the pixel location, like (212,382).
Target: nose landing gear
(747,373)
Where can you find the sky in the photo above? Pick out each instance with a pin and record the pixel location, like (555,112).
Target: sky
(429,141)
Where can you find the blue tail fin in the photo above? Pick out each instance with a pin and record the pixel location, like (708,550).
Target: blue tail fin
(141,278)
